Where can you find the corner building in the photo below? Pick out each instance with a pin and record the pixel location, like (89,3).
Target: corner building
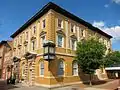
(53,23)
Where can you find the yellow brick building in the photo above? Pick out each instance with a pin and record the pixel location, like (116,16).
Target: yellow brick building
(53,23)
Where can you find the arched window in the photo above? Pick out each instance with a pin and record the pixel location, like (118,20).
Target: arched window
(41,68)
(61,68)
(75,68)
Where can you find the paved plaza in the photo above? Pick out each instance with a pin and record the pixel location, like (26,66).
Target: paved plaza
(111,85)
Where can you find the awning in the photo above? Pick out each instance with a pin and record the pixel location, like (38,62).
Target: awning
(112,68)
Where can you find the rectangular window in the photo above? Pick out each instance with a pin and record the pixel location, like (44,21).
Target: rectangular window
(34,29)
(27,35)
(60,23)
(20,39)
(61,68)
(41,68)
(82,32)
(60,41)
(42,40)
(72,28)
(43,23)
(15,41)
(75,69)
(26,48)
(73,44)
(33,45)
(108,43)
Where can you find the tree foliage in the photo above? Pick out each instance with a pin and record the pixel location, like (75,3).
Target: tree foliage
(112,58)
(89,55)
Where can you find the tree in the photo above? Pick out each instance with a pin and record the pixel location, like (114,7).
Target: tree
(113,58)
(89,55)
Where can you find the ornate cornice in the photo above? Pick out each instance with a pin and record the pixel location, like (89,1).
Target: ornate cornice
(73,36)
(33,38)
(42,33)
(16,59)
(29,55)
(60,32)
(19,45)
(25,42)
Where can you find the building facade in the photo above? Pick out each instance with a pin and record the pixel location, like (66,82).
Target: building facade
(52,23)
(1,57)
(8,62)
(5,59)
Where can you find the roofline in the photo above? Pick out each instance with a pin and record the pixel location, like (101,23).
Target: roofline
(3,42)
(62,11)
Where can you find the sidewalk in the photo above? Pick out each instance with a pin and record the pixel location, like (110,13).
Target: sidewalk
(112,85)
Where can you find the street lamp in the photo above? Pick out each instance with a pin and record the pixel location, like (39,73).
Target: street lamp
(49,50)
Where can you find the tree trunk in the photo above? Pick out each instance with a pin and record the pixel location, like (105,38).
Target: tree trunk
(90,82)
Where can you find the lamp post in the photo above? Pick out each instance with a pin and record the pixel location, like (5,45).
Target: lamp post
(49,50)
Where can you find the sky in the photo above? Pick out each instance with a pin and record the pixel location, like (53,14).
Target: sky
(104,14)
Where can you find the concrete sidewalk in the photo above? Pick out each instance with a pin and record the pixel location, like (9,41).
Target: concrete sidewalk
(112,85)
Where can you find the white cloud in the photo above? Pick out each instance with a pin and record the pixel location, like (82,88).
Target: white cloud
(116,1)
(99,24)
(113,31)
(106,5)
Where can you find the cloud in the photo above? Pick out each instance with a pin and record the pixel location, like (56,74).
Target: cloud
(113,31)
(99,24)
(116,1)
(106,5)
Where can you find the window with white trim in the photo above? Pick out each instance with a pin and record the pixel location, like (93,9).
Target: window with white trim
(34,29)
(108,44)
(105,42)
(60,68)
(43,23)
(15,42)
(60,40)
(73,44)
(20,40)
(41,68)
(75,68)
(33,45)
(26,35)
(72,28)
(60,23)
(43,38)
(25,48)
(83,33)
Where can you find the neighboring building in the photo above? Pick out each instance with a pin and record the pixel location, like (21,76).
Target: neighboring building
(52,23)
(4,49)
(8,61)
(1,56)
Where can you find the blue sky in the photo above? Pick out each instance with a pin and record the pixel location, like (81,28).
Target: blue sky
(104,14)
